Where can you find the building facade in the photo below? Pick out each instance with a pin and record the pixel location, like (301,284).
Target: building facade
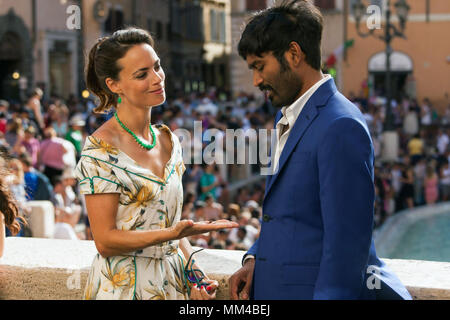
(420,62)
(46,43)
(241,76)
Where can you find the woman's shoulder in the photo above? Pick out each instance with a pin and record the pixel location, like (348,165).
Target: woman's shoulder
(106,133)
(101,144)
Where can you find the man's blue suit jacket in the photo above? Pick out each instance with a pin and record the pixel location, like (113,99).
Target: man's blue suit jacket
(316,235)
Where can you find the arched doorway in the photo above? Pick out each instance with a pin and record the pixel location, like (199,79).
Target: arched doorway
(10,65)
(15,57)
(401,70)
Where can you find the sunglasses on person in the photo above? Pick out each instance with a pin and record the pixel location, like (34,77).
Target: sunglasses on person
(195,276)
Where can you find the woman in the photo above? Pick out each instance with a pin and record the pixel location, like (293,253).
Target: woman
(30,144)
(16,180)
(9,211)
(14,134)
(130,172)
(431,185)
(407,190)
(51,154)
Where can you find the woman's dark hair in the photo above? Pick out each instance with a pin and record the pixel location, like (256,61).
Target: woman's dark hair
(8,205)
(273,29)
(103,64)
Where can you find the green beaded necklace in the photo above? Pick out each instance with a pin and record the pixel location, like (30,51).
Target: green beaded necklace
(139,141)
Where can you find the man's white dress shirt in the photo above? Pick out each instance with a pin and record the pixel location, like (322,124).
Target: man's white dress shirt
(290,115)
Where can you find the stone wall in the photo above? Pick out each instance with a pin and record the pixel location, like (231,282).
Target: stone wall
(45,269)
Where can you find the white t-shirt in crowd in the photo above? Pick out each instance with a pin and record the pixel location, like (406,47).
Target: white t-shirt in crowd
(64,231)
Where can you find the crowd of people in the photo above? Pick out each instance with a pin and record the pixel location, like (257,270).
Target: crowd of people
(41,142)
(420,175)
(42,139)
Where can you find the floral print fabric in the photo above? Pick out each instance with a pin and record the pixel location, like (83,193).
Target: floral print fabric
(146,202)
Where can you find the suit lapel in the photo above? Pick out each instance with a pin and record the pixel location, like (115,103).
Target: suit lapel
(304,120)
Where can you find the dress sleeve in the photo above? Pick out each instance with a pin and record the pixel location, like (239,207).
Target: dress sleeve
(96,176)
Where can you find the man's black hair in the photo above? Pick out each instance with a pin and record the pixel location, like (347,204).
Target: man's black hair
(273,29)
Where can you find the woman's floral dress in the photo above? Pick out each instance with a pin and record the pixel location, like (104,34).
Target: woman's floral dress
(146,202)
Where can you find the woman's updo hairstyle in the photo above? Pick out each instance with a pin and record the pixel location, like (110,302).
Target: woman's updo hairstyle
(103,63)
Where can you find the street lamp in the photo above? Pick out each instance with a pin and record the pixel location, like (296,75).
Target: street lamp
(390,32)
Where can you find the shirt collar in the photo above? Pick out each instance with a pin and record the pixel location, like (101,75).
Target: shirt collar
(291,112)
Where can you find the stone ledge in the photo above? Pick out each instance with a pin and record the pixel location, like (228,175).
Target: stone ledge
(45,269)
(49,269)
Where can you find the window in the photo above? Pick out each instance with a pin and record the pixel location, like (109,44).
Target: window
(217,23)
(169,31)
(325,4)
(149,25)
(159,30)
(253,5)
(115,20)
(193,22)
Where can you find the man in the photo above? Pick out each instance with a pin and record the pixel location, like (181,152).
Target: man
(316,234)
(34,106)
(75,133)
(37,185)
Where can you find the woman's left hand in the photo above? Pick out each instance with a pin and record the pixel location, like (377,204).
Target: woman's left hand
(207,292)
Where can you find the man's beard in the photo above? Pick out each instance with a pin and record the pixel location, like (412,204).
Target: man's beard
(289,85)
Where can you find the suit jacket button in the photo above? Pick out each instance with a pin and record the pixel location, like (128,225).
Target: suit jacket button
(266,218)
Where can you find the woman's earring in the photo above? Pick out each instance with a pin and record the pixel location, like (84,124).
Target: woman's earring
(119,101)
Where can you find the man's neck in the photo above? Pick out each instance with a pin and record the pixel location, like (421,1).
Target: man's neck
(310,81)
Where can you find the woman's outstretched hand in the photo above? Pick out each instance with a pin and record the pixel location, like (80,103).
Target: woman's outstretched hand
(186,228)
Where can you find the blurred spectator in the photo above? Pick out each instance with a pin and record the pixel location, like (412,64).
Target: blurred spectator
(66,217)
(426,113)
(14,134)
(233,212)
(199,210)
(445,181)
(10,221)
(431,185)
(188,207)
(191,178)
(75,133)
(60,121)
(31,145)
(212,210)
(406,197)
(219,239)
(415,148)
(34,105)
(52,154)
(419,181)
(16,180)
(442,141)
(208,182)
(37,185)
(411,122)
(4,105)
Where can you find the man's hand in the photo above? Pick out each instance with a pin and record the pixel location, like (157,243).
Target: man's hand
(241,281)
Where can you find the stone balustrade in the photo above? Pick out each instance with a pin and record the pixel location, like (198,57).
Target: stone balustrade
(46,269)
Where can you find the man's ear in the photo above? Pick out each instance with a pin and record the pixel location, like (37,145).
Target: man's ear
(113,85)
(294,55)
